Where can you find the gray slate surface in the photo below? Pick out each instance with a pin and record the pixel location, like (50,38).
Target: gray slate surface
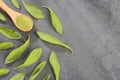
(91,28)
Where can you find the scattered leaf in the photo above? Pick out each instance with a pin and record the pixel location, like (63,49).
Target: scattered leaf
(18,76)
(33,10)
(9,33)
(55,64)
(51,39)
(55,20)
(37,70)
(47,77)
(16,53)
(32,58)
(6,45)
(3,71)
(15,3)
(2,17)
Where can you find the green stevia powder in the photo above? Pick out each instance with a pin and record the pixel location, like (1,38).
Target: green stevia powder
(24,22)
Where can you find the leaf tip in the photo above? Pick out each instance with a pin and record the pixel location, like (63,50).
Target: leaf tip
(44,6)
(15,68)
(71,51)
(6,62)
(60,32)
(38,33)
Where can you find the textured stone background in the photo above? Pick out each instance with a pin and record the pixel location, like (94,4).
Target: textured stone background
(91,28)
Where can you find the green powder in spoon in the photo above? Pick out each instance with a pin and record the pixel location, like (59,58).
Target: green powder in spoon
(24,22)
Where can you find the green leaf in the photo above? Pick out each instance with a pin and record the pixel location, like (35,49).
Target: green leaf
(18,76)
(32,58)
(6,45)
(15,3)
(16,53)
(2,17)
(37,70)
(33,10)
(52,39)
(47,77)
(55,20)
(9,33)
(3,71)
(55,64)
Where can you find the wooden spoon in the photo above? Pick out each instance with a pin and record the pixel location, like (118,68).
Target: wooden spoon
(27,23)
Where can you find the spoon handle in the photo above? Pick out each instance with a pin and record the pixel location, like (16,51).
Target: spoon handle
(15,16)
(8,10)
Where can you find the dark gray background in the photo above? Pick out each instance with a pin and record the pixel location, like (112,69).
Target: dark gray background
(91,28)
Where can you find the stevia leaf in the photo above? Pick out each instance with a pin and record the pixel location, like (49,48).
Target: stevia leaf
(47,77)
(9,33)
(6,45)
(37,70)
(15,3)
(51,39)
(55,64)
(18,76)
(32,58)
(2,17)
(33,10)
(55,20)
(16,53)
(3,71)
